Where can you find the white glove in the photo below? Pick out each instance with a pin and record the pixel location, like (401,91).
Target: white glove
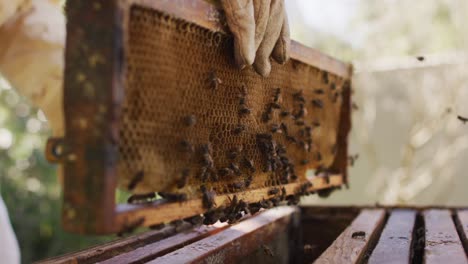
(261,30)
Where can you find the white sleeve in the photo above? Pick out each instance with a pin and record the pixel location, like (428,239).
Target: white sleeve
(8,9)
(9,250)
(32,57)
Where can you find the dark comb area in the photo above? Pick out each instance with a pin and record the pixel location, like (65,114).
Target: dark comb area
(191,118)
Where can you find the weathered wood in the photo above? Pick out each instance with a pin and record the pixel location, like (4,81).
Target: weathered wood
(394,245)
(321,225)
(159,213)
(352,244)
(462,226)
(114,248)
(235,242)
(165,246)
(442,242)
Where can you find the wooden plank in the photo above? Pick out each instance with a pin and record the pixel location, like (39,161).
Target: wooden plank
(237,241)
(394,245)
(159,213)
(352,244)
(462,226)
(165,246)
(209,16)
(442,242)
(108,250)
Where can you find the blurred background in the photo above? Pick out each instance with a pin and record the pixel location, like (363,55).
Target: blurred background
(412,149)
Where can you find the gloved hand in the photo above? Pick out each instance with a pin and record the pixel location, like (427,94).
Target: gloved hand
(261,30)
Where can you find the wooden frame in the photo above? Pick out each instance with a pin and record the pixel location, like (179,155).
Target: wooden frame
(305,234)
(93,96)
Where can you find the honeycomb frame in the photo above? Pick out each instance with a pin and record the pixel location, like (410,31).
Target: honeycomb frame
(97,70)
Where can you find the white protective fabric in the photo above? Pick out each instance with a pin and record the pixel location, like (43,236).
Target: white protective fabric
(32,38)
(9,250)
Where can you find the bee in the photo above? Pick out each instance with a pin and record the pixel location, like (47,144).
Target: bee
(196,220)
(208,198)
(239,129)
(268,166)
(242,101)
(318,156)
(215,81)
(267,251)
(234,153)
(302,112)
(237,185)
(284,113)
(293,199)
(316,123)
(352,159)
(266,116)
(273,191)
(354,106)
(281,150)
(283,193)
(462,119)
(284,128)
(325,77)
(207,159)
(420,58)
(128,228)
(190,120)
(254,208)
(266,204)
(275,105)
(182,181)
(157,226)
(275,201)
(204,174)
(358,234)
(212,217)
(304,145)
(299,97)
(291,139)
(248,181)
(137,179)
(244,110)
(300,122)
(235,169)
(186,146)
(249,164)
(276,95)
(319,91)
(317,103)
(275,129)
(173,197)
(180,225)
(224,172)
(139,198)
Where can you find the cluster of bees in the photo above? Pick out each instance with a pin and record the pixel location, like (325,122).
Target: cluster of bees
(274,159)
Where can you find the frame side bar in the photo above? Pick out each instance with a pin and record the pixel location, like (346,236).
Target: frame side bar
(92,95)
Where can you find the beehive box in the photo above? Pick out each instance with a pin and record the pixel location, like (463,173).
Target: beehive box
(155,105)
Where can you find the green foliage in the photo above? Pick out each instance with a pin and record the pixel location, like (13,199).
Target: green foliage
(29,184)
